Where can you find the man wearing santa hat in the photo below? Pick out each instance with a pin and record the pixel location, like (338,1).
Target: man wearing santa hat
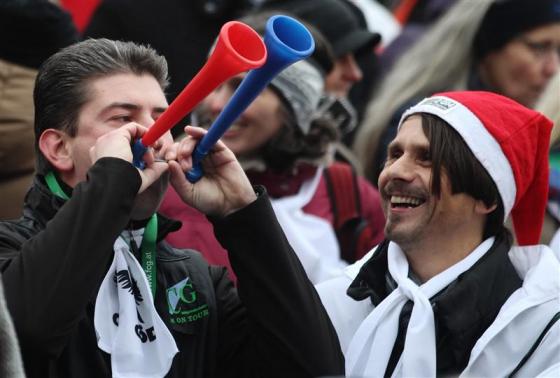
(446,293)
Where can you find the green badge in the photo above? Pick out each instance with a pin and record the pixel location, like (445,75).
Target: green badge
(183,305)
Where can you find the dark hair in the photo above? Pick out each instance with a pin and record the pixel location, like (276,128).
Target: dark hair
(290,144)
(449,152)
(61,87)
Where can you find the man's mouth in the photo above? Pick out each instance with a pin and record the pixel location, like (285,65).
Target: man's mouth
(405,202)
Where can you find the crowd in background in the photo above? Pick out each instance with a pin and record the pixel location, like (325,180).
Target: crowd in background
(320,139)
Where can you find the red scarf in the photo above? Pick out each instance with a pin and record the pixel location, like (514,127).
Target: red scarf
(282,184)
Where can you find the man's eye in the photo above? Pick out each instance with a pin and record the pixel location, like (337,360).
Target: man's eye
(540,47)
(122,118)
(234,83)
(392,156)
(425,156)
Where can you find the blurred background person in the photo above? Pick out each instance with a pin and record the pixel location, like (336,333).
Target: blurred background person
(344,26)
(11,365)
(284,142)
(379,19)
(509,47)
(416,17)
(549,105)
(30,31)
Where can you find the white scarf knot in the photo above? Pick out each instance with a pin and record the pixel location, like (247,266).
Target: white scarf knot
(371,346)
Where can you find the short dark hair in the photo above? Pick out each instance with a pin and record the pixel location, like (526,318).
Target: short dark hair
(466,174)
(61,87)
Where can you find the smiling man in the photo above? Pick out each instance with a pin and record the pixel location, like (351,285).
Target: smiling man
(446,293)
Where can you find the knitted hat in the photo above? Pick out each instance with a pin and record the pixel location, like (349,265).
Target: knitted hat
(300,86)
(510,141)
(506,19)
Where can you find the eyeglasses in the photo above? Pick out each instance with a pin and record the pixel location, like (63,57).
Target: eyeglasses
(541,50)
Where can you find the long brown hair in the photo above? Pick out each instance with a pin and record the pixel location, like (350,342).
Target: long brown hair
(450,155)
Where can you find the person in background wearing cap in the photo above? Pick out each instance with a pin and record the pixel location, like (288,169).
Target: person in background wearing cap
(343,25)
(283,141)
(446,293)
(511,47)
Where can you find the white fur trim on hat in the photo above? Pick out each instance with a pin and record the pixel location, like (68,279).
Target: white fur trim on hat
(482,144)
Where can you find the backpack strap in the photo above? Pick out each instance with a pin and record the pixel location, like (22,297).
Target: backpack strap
(342,186)
(352,231)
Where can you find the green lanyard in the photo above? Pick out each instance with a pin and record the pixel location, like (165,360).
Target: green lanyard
(54,186)
(148,247)
(148,252)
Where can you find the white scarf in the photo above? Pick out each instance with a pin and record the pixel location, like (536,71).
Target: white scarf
(140,345)
(371,346)
(312,238)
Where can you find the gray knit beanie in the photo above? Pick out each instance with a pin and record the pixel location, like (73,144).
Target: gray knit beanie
(301,87)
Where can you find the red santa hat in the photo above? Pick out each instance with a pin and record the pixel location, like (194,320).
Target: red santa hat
(511,142)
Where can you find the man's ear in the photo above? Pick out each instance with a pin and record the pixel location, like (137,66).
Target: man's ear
(55,148)
(481,208)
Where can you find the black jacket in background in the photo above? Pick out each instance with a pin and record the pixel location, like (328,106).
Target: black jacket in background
(55,257)
(33,30)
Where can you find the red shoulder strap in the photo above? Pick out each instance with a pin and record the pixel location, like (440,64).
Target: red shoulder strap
(342,186)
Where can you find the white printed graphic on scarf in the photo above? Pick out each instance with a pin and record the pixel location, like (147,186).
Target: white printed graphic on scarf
(126,322)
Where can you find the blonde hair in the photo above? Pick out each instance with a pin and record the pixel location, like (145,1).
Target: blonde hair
(440,60)
(549,105)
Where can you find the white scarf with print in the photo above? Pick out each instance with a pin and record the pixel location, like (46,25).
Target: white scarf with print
(126,322)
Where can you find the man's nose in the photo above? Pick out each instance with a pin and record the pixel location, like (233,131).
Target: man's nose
(402,168)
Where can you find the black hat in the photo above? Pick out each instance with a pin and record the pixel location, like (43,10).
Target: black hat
(339,23)
(506,19)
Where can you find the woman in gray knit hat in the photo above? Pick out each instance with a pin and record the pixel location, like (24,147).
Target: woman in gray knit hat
(284,140)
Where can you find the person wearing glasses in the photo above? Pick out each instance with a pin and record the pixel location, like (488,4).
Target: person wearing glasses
(510,47)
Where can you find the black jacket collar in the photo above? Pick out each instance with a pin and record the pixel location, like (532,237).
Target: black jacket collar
(41,206)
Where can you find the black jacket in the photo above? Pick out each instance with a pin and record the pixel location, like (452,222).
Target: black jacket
(55,257)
